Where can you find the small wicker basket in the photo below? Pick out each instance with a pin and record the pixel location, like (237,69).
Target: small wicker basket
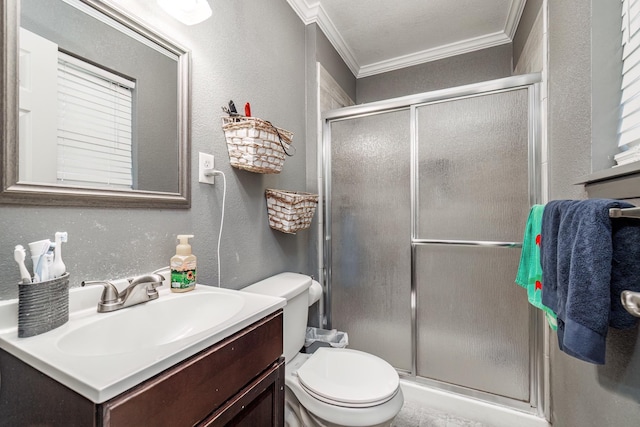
(256,145)
(290,211)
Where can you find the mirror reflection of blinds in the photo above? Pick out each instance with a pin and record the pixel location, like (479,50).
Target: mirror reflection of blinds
(629,130)
(94,125)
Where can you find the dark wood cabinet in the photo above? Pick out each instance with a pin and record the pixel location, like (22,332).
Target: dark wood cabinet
(261,403)
(238,381)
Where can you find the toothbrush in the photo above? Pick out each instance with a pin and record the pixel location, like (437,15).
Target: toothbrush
(38,251)
(47,260)
(58,268)
(20,254)
(43,266)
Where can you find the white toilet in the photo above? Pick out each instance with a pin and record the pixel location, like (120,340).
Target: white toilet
(333,386)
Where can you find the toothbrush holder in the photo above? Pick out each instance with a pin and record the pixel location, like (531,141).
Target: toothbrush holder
(43,306)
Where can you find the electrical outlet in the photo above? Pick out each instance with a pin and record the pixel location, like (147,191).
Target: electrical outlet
(205,161)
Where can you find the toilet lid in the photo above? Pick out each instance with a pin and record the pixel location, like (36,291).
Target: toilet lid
(348,377)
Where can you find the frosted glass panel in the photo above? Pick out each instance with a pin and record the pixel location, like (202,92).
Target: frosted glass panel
(472,166)
(473,321)
(371,229)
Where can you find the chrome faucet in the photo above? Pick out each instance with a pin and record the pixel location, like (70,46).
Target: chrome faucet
(141,289)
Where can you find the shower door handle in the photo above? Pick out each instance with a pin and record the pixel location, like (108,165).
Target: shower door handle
(489,244)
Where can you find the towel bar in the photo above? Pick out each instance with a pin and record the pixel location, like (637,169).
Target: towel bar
(626,212)
(631,302)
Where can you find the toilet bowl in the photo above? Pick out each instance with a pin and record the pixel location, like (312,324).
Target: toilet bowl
(341,387)
(333,386)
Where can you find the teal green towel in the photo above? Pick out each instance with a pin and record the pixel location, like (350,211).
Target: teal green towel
(530,269)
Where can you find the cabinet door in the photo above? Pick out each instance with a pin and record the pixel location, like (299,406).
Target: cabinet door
(260,404)
(30,398)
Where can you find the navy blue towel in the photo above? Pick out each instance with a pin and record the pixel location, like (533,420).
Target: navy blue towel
(588,259)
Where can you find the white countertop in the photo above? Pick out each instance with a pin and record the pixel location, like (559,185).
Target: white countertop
(102,377)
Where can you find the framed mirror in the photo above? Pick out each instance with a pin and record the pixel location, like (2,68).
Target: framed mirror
(95,106)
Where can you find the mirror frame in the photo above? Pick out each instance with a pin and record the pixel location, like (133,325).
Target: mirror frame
(12,192)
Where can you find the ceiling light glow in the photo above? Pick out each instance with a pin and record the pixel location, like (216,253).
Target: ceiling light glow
(189,12)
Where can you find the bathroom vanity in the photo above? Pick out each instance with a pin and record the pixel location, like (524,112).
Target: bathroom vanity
(234,380)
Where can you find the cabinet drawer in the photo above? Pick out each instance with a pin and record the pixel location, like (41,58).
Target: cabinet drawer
(259,404)
(185,394)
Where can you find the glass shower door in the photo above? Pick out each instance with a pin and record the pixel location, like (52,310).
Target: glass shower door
(473,325)
(370,227)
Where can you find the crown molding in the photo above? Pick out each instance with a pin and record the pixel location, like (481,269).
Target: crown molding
(312,12)
(306,10)
(434,54)
(513,18)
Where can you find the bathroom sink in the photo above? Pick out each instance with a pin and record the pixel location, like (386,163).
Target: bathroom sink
(156,323)
(100,355)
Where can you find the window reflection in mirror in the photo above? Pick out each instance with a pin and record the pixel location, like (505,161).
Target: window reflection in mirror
(98,102)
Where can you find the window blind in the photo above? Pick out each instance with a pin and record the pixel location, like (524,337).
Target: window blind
(629,130)
(94,125)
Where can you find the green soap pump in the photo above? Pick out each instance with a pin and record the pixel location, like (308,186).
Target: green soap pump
(183,266)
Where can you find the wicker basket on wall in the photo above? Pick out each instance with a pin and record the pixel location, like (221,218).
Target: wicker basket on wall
(290,211)
(256,145)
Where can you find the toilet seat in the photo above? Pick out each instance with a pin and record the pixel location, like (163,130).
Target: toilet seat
(348,378)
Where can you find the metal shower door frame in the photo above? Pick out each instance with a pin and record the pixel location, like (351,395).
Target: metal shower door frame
(531,82)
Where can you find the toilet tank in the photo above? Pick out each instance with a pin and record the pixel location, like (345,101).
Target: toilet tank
(294,288)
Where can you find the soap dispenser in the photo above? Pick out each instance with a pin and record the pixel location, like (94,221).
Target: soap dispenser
(183,266)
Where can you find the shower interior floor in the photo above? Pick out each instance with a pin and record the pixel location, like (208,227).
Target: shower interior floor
(429,407)
(414,414)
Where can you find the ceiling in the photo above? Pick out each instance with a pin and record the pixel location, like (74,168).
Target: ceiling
(375,36)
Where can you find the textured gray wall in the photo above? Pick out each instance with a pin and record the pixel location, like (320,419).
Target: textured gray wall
(250,50)
(583,395)
(473,67)
(569,118)
(528,18)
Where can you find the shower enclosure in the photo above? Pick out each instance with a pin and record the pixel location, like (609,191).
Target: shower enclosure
(426,201)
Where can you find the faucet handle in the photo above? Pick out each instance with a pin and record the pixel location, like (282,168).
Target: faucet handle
(153,280)
(109,294)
